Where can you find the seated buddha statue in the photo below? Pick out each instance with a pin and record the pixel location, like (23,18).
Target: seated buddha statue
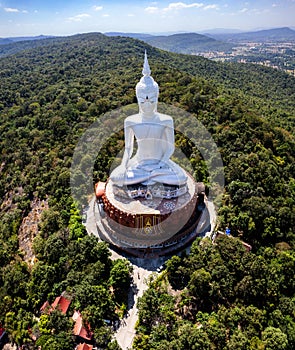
(154,134)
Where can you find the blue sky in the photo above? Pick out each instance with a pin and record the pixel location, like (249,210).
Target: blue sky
(57,17)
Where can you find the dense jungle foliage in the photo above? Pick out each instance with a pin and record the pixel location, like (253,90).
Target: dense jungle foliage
(49,95)
(220,297)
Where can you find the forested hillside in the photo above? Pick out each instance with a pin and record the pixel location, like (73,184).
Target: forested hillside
(50,94)
(220,297)
(188,43)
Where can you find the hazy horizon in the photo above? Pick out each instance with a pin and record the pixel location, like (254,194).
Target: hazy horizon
(20,18)
(208,31)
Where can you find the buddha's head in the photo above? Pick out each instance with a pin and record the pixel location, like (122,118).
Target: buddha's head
(147,90)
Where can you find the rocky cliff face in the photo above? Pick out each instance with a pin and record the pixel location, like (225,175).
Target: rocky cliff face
(29,228)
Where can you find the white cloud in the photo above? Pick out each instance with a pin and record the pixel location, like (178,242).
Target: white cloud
(105,15)
(182,5)
(259,11)
(25,11)
(244,10)
(177,6)
(211,7)
(131,15)
(97,8)
(151,9)
(79,18)
(9,9)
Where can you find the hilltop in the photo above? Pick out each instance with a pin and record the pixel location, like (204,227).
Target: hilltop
(51,91)
(187,43)
(260,82)
(273,47)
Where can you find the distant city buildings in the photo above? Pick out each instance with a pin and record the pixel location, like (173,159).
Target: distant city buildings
(275,55)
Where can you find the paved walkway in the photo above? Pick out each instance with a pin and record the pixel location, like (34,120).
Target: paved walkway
(212,216)
(126,332)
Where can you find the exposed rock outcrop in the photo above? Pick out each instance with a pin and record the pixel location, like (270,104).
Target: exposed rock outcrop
(29,228)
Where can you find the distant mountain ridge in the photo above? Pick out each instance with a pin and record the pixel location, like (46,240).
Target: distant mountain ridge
(24,38)
(5,41)
(187,43)
(140,36)
(11,46)
(274,35)
(193,43)
(219,34)
(10,40)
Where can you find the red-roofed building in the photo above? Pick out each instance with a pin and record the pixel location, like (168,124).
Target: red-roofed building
(3,336)
(60,303)
(2,331)
(84,346)
(79,329)
(45,307)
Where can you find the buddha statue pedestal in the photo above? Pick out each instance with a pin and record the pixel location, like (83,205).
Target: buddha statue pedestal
(151,226)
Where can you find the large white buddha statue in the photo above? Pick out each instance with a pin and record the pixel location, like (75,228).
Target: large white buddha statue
(154,134)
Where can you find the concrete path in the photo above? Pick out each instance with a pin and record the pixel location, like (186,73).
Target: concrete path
(212,216)
(90,223)
(126,332)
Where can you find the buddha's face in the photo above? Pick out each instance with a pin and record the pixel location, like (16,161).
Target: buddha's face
(148,104)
